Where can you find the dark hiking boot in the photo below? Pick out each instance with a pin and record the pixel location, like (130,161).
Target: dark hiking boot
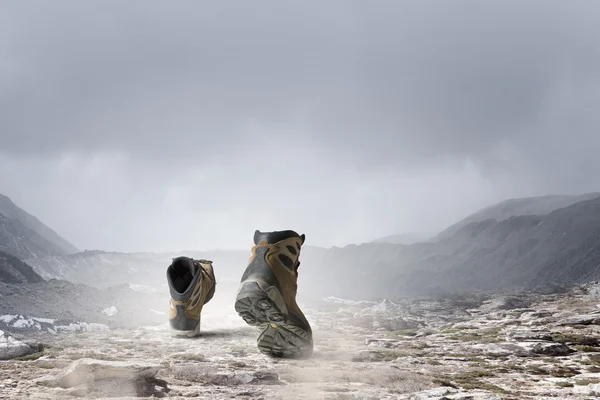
(191,285)
(267,295)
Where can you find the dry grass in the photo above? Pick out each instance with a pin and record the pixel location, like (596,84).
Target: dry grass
(471,380)
(587,381)
(564,384)
(30,357)
(576,339)
(479,336)
(405,332)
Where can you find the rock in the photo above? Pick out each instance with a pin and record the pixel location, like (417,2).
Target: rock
(502,349)
(505,303)
(44,380)
(588,390)
(394,324)
(207,375)
(531,315)
(581,319)
(368,355)
(265,378)
(111,378)
(552,349)
(256,378)
(386,343)
(433,394)
(12,348)
(523,335)
(524,349)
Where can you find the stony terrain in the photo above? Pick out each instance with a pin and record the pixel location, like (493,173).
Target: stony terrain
(527,346)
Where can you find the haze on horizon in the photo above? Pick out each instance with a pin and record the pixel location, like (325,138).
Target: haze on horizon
(155,126)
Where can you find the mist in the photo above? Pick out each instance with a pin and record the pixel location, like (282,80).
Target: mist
(147,127)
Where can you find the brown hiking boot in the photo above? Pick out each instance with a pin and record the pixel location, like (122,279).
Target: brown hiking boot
(267,295)
(191,285)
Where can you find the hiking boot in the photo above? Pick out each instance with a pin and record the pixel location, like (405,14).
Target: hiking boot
(192,285)
(267,295)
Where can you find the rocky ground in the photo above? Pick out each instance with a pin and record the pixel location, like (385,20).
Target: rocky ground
(530,346)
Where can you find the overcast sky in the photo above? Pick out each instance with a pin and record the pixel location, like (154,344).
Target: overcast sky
(170,125)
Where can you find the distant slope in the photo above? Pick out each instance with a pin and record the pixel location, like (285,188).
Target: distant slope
(542,205)
(12,211)
(15,271)
(22,242)
(103,269)
(561,248)
(403,238)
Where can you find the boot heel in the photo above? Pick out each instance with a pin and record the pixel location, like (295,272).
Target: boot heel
(176,333)
(257,303)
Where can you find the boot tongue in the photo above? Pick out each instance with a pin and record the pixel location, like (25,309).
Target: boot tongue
(275,236)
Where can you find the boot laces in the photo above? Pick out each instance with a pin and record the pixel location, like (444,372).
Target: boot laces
(202,270)
(296,269)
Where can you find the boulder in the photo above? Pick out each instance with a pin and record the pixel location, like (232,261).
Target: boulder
(112,378)
(12,348)
(552,349)
(581,319)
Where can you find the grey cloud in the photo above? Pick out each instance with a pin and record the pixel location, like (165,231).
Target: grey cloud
(397,97)
(420,78)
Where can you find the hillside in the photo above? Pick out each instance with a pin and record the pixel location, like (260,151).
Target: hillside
(25,237)
(541,205)
(403,238)
(103,269)
(22,242)
(12,211)
(521,252)
(15,271)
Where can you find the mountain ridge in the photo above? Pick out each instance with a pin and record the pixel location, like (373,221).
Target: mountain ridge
(403,238)
(15,271)
(22,242)
(537,205)
(11,211)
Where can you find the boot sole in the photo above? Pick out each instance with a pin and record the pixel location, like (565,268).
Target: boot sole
(262,306)
(186,334)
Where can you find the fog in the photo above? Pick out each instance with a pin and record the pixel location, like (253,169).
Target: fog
(147,126)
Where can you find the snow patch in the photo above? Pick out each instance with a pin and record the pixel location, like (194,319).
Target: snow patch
(49,325)
(337,300)
(7,318)
(110,311)
(81,327)
(25,323)
(142,288)
(9,341)
(45,320)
